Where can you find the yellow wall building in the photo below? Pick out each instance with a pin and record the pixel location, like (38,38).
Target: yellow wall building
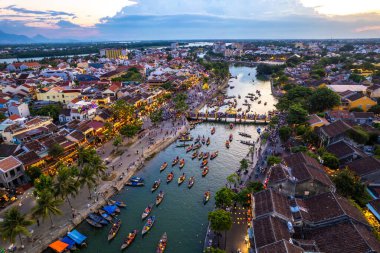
(114,53)
(57,94)
(356,100)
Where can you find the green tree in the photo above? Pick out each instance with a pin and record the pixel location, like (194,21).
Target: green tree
(243,164)
(117,141)
(88,157)
(224,197)
(33,173)
(330,160)
(52,110)
(375,109)
(349,185)
(108,128)
(220,220)
(43,183)
(65,185)
(167,86)
(233,178)
(323,99)
(356,78)
(47,206)
(255,186)
(297,114)
(55,151)
(123,111)
(356,109)
(130,130)
(2,117)
(156,116)
(180,102)
(359,135)
(213,250)
(15,224)
(88,177)
(285,132)
(272,160)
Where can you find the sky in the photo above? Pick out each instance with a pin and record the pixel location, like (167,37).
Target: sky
(191,19)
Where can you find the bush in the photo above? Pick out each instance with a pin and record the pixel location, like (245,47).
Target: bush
(272,160)
(285,132)
(330,160)
(358,135)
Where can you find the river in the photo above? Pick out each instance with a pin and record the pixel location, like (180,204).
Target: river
(182,214)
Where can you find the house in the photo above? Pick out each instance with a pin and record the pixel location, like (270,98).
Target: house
(21,66)
(58,94)
(8,150)
(363,118)
(299,175)
(335,115)
(344,152)
(367,168)
(268,230)
(270,203)
(350,100)
(21,109)
(316,121)
(334,132)
(373,91)
(112,90)
(281,246)
(11,172)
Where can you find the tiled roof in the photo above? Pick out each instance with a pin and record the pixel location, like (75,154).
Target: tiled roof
(355,96)
(363,115)
(9,163)
(340,149)
(270,201)
(277,174)
(282,246)
(269,230)
(336,128)
(364,166)
(347,237)
(29,158)
(7,149)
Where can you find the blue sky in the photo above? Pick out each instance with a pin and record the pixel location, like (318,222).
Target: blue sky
(191,19)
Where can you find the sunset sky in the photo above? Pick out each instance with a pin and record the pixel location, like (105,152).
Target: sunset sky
(195,19)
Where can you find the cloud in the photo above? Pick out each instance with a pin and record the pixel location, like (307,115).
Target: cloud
(368,28)
(49,12)
(343,7)
(66,24)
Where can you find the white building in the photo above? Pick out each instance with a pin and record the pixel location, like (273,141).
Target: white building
(21,109)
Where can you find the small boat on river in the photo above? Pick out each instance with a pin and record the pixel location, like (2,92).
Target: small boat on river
(245,135)
(206,155)
(194,155)
(163,166)
(205,171)
(213,130)
(204,163)
(231,126)
(137,179)
(227,144)
(206,197)
(114,229)
(182,145)
(231,137)
(200,156)
(198,146)
(155,185)
(181,179)
(191,182)
(94,223)
(134,183)
(117,203)
(197,140)
(162,243)
(181,163)
(148,225)
(169,177)
(208,141)
(128,241)
(239,97)
(175,161)
(214,155)
(189,148)
(186,138)
(147,211)
(265,103)
(98,219)
(159,198)
(203,140)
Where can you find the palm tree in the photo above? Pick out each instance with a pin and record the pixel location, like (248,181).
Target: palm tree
(220,220)
(88,177)
(65,185)
(14,224)
(47,205)
(89,157)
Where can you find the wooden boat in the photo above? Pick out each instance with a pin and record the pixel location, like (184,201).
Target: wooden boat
(184,145)
(259,102)
(194,155)
(104,215)
(239,97)
(114,229)
(117,203)
(231,137)
(169,177)
(159,198)
(187,138)
(191,182)
(227,144)
(205,171)
(155,185)
(93,223)
(214,155)
(204,163)
(208,141)
(189,148)
(98,219)
(200,156)
(163,166)
(206,155)
(128,241)
(134,184)
(231,126)
(148,225)
(245,135)
(162,243)
(206,197)
(203,140)
(197,140)
(181,179)
(137,179)
(147,211)
(198,146)
(265,103)
(213,130)
(181,163)
(175,161)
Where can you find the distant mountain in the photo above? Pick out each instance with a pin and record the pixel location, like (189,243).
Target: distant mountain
(8,38)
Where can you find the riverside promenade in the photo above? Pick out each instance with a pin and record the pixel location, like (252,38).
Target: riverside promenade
(120,169)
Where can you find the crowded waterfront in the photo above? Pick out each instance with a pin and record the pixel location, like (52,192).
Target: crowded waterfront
(183,212)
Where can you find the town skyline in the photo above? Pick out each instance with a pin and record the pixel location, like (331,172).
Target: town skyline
(174,20)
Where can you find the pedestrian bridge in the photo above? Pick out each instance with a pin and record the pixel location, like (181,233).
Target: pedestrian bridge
(243,118)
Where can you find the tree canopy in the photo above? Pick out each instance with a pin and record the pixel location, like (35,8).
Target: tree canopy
(297,114)
(224,197)
(323,99)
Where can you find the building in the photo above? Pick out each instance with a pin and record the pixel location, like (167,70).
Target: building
(21,109)
(374,91)
(58,94)
(20,66)
(219,47)
(114,53)
(174,45)
(350,100)
(334,132)
(11,172)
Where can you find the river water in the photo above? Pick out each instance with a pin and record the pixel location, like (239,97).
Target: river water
(182,214)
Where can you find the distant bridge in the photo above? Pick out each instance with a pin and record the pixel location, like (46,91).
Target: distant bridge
(232,118)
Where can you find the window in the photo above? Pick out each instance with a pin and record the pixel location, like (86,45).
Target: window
(53,97)
(63,95)
(48,97)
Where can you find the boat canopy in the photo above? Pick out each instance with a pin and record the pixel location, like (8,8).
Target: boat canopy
(110,209)
(69,241)
(76,236)
(58,246)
